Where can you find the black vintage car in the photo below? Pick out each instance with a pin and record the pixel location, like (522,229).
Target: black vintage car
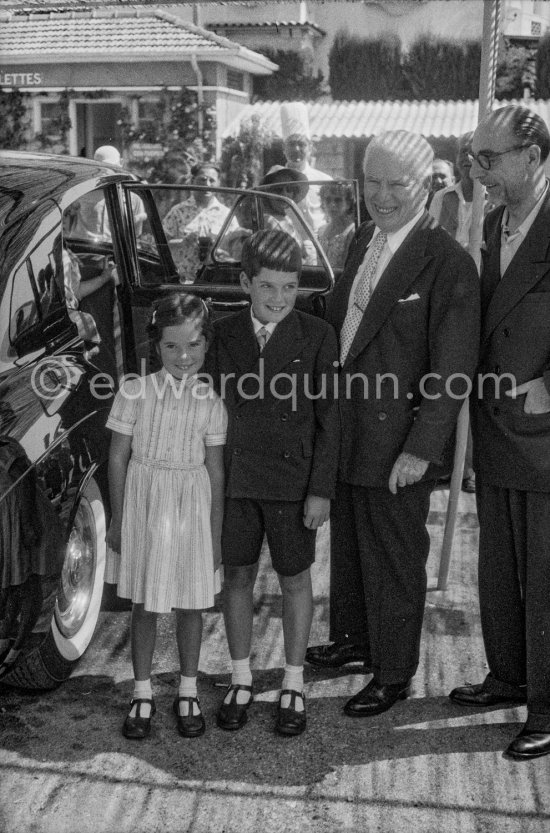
(64,224)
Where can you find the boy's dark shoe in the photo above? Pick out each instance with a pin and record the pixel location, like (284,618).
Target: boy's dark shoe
(479,695)
(233,715)
(469,484)
(375,698)
(189,725)
(336,654)
(289,720)
(138,728)
(528,745)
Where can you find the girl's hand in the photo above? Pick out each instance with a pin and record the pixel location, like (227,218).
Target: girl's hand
(217,553)
(114,535)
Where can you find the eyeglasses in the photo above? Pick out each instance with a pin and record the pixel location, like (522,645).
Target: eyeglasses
(485,160)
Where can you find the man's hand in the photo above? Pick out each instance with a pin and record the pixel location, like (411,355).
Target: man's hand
(537,400)
(407,470)
(316,511)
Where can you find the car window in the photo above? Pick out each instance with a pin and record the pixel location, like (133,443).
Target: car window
(34,291)
(194,236)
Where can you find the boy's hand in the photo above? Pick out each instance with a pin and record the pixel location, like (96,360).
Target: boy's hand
(316,511)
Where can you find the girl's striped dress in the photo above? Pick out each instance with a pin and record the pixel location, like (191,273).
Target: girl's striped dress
(166,556)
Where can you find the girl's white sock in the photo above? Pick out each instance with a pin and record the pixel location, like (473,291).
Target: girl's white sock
(294,680)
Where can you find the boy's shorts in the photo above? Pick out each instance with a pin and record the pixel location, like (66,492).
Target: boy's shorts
(291,544)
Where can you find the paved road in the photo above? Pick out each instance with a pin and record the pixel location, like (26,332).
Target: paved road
(425,766)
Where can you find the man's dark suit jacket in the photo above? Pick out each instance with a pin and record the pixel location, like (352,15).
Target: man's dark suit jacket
(512,448)
(278,448)
(422,318)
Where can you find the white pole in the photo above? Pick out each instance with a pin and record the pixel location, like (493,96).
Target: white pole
(487,77)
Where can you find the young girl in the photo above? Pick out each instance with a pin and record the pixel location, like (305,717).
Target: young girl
(166,486)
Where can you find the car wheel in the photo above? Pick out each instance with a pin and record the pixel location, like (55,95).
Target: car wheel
(77,604)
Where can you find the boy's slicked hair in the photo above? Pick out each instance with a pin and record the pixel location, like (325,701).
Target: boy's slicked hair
(272,249)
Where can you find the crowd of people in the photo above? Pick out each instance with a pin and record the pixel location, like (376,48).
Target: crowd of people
(203,464)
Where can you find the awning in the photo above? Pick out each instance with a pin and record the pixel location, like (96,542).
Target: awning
(361,119)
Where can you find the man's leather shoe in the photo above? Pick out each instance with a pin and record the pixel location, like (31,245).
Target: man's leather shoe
(289,720)
(375,699)
(335,654)
(477,695)
(529,745)
(233,715)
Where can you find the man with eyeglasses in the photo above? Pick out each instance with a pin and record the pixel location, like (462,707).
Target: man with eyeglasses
(511,424)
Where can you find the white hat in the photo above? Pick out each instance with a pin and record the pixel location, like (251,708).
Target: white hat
(294,119)
(108,154)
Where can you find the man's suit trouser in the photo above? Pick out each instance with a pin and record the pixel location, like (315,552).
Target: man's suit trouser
(379,548)
(514,592)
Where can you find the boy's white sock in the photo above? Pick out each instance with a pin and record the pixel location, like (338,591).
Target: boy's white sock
(294,680)
(187,688)
(142,690)
(241,675)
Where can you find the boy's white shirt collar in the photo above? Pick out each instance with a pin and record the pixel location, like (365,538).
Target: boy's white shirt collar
(395,238)
(270,326)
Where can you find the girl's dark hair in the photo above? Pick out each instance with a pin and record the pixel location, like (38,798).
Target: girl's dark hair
(174,309)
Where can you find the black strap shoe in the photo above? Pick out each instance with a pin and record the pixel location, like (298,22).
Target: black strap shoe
(189,725)
(233,715)
(289,720)
(138,727)
(375,698)
(336,654)
(478,695)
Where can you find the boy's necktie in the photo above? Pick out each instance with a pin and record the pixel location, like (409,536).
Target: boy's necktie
(361,297)
(262,336)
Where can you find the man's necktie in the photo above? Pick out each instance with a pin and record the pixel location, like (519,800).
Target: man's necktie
(361,297)
(262,336)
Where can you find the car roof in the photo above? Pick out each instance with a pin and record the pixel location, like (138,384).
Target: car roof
(33,184)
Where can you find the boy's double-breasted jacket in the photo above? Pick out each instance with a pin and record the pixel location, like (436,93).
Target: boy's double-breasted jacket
(407,371)
(283,434)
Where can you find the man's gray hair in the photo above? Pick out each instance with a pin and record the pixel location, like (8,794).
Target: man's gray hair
(412,148)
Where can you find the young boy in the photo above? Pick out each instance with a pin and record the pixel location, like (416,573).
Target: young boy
(275,369)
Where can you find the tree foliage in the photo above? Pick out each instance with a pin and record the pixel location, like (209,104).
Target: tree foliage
(13,119)
(376,69)
(542,67)
(182,128)
(242,160)
(511,72)
(435,68)
(365,68)
(291,82)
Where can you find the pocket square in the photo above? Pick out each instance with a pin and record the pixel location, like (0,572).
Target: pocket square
(414,297)
(295,361)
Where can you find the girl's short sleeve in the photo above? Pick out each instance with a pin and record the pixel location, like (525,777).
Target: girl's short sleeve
(124,412)
(216,432)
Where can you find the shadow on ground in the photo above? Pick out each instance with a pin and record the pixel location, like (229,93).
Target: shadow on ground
(82,720)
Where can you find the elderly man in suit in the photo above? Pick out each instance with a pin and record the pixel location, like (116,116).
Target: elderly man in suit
(407,310)
(511,424)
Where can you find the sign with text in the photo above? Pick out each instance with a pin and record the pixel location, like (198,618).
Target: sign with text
(20,79)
